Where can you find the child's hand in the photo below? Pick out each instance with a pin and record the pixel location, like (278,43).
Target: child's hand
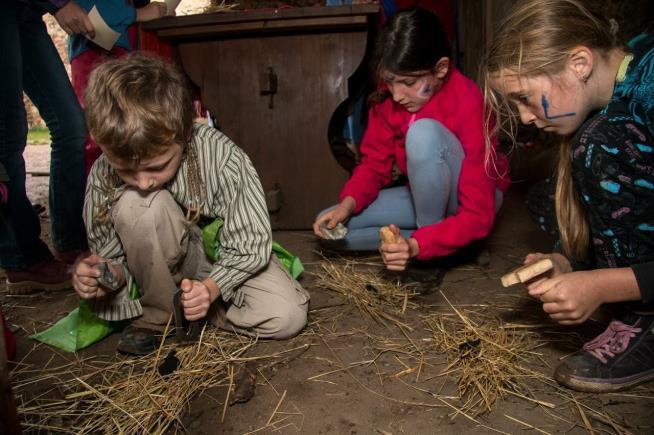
(85,278)
(196,299)
(561,265)
(569,298)
(396,255)
(339,214)
(73,19)
(152,11)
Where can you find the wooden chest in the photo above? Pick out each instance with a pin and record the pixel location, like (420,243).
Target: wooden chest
(278,84)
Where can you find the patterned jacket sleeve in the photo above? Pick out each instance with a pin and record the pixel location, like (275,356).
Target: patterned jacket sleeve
(104,241)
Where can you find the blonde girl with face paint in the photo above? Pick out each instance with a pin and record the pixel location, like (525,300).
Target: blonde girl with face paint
(558,65)
(426,119)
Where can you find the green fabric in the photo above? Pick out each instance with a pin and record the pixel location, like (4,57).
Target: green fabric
(291,262)
(210,241)
(211,245)
(81,327)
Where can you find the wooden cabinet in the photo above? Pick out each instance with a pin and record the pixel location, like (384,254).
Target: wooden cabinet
(274,80)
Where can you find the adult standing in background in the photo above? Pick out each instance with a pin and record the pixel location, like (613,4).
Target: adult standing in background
(30,63)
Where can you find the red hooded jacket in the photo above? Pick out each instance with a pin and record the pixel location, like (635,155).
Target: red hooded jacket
(458,105)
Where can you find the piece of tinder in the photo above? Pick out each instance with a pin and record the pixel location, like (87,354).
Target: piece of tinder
(387,235)
(527,272)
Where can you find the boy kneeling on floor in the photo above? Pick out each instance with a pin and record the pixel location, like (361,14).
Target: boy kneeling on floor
(158,176)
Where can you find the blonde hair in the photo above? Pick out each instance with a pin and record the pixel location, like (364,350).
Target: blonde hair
(535,40)
(137,105)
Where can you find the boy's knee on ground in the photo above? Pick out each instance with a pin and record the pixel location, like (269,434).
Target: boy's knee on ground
(286,321)
(276,317)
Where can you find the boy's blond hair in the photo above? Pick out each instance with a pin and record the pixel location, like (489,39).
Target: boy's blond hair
(535,40)
(137,105)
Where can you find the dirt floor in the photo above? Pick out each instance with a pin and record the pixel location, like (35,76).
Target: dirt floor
(347,373)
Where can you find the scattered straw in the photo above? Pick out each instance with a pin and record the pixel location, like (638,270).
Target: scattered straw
(526,424)
(587,424)
(362,282)
(220,6)
(130,396)
(281,399)
(487,359)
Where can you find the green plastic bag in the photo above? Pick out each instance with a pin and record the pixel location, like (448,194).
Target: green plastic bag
(211,243)
(81,327)
(291,262)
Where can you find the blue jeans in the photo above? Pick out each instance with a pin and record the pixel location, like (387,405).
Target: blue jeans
(434,158)
(31,63)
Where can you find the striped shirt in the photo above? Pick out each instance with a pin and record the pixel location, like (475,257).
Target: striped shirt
(233,192)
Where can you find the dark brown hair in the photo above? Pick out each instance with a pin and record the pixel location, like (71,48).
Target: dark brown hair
(413,41)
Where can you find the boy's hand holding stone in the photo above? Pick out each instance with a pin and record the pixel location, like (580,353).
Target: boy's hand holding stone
(85,278)
(197,297)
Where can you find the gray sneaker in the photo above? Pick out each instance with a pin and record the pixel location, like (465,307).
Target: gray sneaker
(619,358)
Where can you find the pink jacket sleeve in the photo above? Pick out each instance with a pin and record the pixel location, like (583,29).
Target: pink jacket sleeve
(375,169)
(476,194)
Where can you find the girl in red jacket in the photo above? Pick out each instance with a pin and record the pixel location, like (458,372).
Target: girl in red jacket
(427,120)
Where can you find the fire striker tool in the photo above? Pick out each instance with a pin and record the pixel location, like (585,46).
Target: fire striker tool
(107,278)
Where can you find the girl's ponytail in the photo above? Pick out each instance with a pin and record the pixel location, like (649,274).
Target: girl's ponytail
(570,214)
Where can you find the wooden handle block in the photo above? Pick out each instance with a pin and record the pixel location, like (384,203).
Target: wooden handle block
(527,272)
(386,235)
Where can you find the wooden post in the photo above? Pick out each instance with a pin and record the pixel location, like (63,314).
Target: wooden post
(9,423)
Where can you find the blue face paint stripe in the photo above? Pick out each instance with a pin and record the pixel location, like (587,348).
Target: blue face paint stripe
(546,105)
(426,90)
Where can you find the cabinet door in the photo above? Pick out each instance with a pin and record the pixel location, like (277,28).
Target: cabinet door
(274,96)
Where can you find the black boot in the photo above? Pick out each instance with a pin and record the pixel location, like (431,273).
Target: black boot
(619,358)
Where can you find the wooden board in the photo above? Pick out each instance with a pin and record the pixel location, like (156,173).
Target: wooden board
(313,53)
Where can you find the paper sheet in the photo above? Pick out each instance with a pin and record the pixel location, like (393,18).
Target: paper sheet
(171,5)
(105,36)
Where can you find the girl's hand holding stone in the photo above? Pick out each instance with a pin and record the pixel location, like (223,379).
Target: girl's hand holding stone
(340,213)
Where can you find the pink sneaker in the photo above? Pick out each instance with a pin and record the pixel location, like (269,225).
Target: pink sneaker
(46,275)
